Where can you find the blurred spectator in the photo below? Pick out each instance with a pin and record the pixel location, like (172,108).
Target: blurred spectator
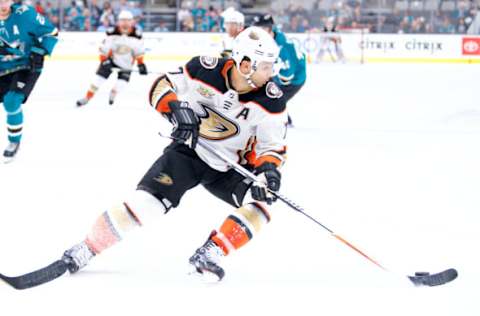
(213,19)
(75,21)
(161,27)
(184,16)
(39,8)
(188,24)
(104,25)
(461,26)
(199,16)
(446,26)
(95,13)
(296,16)
(107,15)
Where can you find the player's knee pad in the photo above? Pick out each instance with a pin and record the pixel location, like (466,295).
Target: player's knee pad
(145,207)
(97,82)
(12,102)
(240,227)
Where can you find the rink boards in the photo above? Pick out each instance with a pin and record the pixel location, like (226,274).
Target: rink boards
(357,47)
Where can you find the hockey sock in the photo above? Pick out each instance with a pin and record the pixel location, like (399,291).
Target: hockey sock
(97,83)
(239,227)
(119,86)
(12,101)
(117,221)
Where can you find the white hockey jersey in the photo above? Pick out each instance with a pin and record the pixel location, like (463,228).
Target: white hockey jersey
(249,128)
(124,49)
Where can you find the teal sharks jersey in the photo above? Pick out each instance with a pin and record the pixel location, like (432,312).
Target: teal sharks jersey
(292,62)
(23,32)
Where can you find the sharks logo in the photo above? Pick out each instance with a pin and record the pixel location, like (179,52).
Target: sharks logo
(215,126)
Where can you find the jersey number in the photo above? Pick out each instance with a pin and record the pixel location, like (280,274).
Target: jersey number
(40,19)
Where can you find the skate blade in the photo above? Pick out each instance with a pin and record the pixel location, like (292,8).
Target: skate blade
(7,160)
(206,277)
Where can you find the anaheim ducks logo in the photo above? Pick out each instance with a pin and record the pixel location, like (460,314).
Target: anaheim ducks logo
(215,126)
(164,178)
(123,50)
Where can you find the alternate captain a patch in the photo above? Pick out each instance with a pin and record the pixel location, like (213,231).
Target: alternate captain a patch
(209,62)
(273,91)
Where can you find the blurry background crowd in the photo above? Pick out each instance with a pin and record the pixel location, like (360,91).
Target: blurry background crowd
(375,16)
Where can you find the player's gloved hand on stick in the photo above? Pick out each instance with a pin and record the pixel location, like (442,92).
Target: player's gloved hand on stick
(270,178)
(36,61)
(142,69)
(186,124)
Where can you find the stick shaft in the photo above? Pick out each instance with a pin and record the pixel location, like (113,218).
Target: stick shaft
(284,199)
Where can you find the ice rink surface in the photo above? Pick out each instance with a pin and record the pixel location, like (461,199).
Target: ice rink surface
(387,156)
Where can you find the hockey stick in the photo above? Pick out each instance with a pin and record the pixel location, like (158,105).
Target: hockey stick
(138,71)
(9,71)
(419,279)
(41,276)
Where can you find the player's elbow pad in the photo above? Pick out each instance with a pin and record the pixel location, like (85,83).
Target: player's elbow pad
(161,94)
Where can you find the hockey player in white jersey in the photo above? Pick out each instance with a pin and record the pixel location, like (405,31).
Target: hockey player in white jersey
(232,105)
(122,47)
(233,22)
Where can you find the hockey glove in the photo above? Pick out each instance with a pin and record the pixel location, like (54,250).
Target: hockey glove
(36,61)
(142,69)
(186,124)
(270,179)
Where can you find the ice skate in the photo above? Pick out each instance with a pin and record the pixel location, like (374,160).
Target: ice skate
(111,97)
(10,152)
(77,257)
(205,261)
(82,102)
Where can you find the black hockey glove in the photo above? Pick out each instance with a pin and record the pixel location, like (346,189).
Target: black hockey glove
(142,69)
(270,180)
(36,62)
(186,124)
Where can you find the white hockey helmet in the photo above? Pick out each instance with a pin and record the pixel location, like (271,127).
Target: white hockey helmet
(255,44)
(125,15)
(231,15)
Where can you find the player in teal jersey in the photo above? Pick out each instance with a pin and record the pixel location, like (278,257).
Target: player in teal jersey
(292,63)
(25,38)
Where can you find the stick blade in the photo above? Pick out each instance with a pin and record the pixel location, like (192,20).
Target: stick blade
(38,277)
(427,279)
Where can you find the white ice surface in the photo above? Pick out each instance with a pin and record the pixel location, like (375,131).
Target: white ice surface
(387,156)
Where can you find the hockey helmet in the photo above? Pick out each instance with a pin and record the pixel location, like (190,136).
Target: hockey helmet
(125,15)
(265,20)
(233,16)
(256,45)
